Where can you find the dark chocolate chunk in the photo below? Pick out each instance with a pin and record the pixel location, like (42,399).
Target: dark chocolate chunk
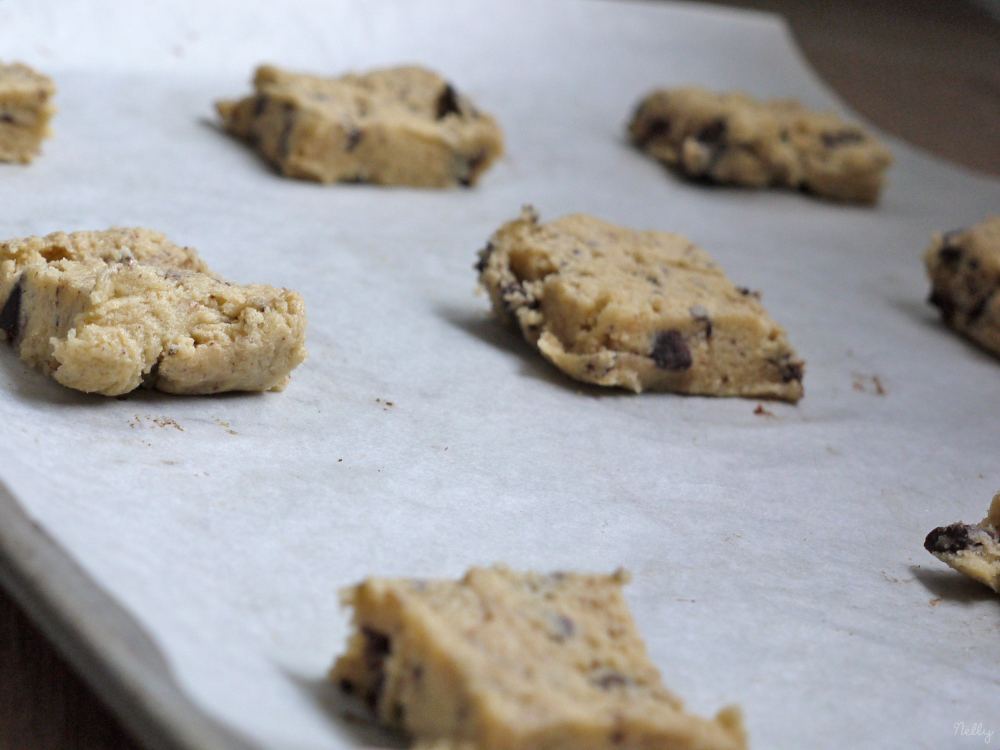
(670,351)
(7,118)
(842,138)
(354,136)
(954,538)
(447,102)
(10,314)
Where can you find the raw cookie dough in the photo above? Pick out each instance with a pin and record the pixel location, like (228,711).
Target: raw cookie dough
(106,312)
(400,126)
(973,550)
(516,661)
(640,310)
(24,112)
(964,266)
(732,138)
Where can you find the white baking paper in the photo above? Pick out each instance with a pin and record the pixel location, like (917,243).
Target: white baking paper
(777,556)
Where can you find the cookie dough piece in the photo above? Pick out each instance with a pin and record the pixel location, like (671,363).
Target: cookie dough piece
(973,550)
(964,267)
(640,310)
(516,661)
(732,138)
(24,112)
(106,312)
(400,126)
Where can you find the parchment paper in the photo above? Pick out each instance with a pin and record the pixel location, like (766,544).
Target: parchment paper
(777,557)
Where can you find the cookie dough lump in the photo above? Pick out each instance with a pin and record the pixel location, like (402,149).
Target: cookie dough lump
(399,126)
(734,139)
(516,661)
(25,111)
(639,310)
(106,312)
(971,549)
(964,267)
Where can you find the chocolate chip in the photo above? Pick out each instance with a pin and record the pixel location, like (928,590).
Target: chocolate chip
(654,129)
(563,628)
(611,679)
(346,685)
(670,351)
(10,315)
(377,646)
(977,310)
(376,651)
(354,136)
(954,538)
(841,138)
(713,133)
(7,118)
(259,104)
(472,167)
(285,146)
(790,369)
(700,314)
(484,257)
(447,102)
(950,256)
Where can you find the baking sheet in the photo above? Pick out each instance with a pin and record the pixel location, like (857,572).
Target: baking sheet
(777,557)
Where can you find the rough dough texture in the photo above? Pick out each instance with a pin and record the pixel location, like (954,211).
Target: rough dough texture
(732,138)
(400,126)
(24,112)
(508,661)
(640,310)
(964,267)
(973,550)
(106,312)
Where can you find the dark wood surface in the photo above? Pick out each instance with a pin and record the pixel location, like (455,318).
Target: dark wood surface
(927,71)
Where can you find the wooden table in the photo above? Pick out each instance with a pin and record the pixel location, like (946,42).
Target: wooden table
(927,71)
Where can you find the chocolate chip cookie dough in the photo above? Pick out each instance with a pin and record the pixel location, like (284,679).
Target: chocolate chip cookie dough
(964,267)
(639,310)
(734,139)
(971,549)
(25,111)
(516,661)
(399,126)
(106,312)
